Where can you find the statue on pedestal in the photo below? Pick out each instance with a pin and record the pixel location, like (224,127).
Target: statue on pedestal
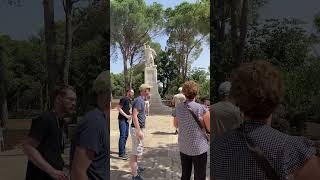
(149,56)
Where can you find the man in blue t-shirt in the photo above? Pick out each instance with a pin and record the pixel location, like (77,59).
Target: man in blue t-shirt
(90,149)
(137,130)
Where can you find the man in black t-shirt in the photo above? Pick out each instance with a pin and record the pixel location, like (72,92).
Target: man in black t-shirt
(123,117)
(44,145)
(90,148)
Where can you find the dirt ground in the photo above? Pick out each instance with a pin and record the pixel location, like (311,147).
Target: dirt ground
(161,158)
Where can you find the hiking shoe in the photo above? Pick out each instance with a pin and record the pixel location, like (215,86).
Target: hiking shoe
(138,177)
(123,157)
(140,169)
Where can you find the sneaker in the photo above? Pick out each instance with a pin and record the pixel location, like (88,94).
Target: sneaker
(138,177)
(140,169)
(123,157)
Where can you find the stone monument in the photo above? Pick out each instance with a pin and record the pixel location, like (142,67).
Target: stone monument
(150,78)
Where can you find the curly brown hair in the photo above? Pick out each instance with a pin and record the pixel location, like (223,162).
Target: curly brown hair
(190,89)
(257,89)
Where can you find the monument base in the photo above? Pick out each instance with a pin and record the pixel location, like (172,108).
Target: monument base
(156,105)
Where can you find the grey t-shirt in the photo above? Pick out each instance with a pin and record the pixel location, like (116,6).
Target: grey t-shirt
(138,103)
(226,117)
(93,134)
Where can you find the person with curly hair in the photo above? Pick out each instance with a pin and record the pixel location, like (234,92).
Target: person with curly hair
(192,142)
(256,150)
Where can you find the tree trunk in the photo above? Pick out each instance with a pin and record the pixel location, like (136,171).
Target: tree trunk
(131,72)
(5,114)
(41,98)
(50,41)
(18,101)
(234,31)
(3,97)
(243,30)
(46,107)
(125,72)
(186,67)
(218,22)
(68,40)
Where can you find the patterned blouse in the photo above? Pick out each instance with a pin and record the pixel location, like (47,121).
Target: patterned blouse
(231,158)
(191,140)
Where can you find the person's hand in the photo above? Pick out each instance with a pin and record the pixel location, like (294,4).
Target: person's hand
(139,134)
(128,117)
(58,175)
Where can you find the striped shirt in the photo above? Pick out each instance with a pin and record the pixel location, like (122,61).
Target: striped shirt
(231,158)
(191,140)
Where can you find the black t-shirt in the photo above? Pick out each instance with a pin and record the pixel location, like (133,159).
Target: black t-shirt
(125,103)
(93,134)
(45,129)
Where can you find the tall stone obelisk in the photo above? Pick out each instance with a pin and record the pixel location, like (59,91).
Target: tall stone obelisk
(151,78)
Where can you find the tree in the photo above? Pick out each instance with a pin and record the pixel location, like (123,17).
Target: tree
(201,76)
(132,24)
(3,98)
(185,36)
(71,26)
(229,46)
(283,42)
(50,39)
(168,73)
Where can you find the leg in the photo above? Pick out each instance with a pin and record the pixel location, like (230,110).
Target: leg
(200,166)
(122,128)
(126,134)
(136,151)
(134,164)
(186,166)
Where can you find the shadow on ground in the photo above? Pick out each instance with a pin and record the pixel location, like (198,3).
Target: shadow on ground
(162,163)
(163,133)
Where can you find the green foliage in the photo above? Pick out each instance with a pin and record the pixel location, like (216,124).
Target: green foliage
(202,77)
(302,89)
(168,73)
(133,23)
(117,85)
(26,70)
(316,22)
(187,26)
(283,42)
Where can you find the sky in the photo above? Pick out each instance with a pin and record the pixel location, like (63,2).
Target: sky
(304,10)
(22,22)
(204,59)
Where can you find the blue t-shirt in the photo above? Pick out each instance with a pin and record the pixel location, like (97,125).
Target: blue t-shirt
(93,134)
(138,104)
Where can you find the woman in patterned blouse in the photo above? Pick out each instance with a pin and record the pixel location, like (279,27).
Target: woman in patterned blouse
(256,150)
(192,141)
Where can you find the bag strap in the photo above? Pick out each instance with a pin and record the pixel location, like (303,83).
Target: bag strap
(195,117)
(258,154)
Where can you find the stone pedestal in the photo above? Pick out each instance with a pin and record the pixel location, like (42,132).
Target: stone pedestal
(156,105)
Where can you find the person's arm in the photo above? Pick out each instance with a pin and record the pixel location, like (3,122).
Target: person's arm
(175,122)
(206,120)
(81,162)
(86,147)
(29,148)
(38,130)
(119,108)
(136,123)
(310,170)
(135,119)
